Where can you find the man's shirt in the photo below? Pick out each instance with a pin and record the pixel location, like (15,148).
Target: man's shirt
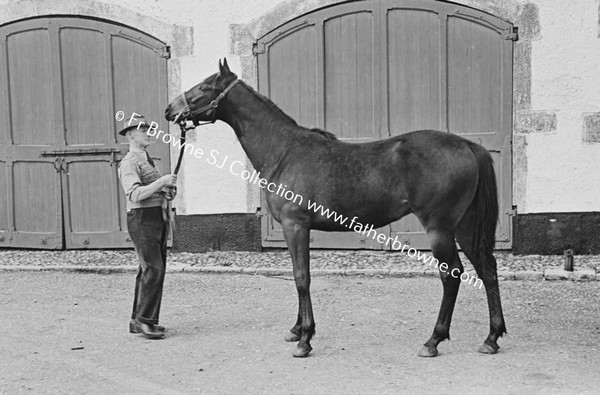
(135,172)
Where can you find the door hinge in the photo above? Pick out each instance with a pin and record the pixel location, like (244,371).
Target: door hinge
(166,52)
(512,34)
(258,49)
(512,212)
(259,213)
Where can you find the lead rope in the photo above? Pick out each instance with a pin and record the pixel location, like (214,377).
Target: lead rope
(182,126)
(184,129)
(181,146)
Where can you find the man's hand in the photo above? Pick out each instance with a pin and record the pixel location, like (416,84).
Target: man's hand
(170,193)
(169,180)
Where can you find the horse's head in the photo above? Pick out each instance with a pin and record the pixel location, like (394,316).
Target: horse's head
(201,102)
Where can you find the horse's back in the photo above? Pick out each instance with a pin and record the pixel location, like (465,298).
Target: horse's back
(395,161)
(414,167)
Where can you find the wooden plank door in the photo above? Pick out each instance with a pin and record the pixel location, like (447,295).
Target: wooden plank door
(31,214)
(414,90)
(59,150)
(480,55)
(110,68)
(450,68)
(317,72)
(370,70)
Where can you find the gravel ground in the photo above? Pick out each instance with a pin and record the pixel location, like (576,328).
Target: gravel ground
(66,333)
(277,259)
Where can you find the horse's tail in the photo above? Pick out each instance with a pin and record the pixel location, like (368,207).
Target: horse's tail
(486,199)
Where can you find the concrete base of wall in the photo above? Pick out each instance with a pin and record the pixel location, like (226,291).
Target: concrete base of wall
(218,232)
(553,233)
(539,234)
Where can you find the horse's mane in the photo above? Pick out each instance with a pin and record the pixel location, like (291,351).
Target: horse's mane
(279,111)
(324,133)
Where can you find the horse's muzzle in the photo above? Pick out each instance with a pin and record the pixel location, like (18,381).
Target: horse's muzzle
(178,110)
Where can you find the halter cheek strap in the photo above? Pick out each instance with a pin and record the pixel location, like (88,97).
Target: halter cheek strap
(187,110)
(213,104)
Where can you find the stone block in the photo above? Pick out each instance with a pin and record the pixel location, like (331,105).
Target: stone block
(528,275)
(535,122)
(557,274)
(367,272)
(591,128)
(327,272)
(249,270)
(403,273)
(431,273)
(578,274)
(504,275)
(584,274)
(268,271)
(352,272)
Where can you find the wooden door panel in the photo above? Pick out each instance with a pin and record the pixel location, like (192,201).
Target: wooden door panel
(32,215)
(387,67)
(91,205)
(144,91)
(300,49)
(349,74)
(501,155)
(4,205)
(480,100)
(413,62)
(31,87)
(282,80)
(320,75)
(415,86)
(36,205)
(475,87)
(86,95)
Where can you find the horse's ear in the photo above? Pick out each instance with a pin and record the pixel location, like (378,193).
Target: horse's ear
(226,66)
(223,67)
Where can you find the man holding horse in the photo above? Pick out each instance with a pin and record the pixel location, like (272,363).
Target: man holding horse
(147,196)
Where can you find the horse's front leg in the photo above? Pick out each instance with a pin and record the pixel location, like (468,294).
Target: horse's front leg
(296,232)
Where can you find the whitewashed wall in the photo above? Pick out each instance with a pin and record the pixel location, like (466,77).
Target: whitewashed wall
(563,172)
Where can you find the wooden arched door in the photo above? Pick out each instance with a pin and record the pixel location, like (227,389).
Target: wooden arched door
(369,70)
(62,79)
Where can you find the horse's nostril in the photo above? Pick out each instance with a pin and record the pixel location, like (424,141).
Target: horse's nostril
(168,113)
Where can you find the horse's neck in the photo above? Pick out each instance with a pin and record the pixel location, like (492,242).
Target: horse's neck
(263,130)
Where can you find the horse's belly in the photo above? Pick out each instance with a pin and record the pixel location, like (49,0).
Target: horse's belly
(359,219)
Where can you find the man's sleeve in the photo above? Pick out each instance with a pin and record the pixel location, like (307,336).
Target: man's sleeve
(130,180)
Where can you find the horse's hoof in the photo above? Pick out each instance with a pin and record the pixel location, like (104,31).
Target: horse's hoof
(428,352)
(292,337)
(301,352)
(487,349)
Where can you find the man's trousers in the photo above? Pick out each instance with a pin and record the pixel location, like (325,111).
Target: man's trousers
(148,231)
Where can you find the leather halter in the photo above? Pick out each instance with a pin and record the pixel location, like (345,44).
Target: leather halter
(188,112)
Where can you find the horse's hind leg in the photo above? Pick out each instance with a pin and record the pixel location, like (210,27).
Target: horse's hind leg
(297,239)
(444,250)
(488,274)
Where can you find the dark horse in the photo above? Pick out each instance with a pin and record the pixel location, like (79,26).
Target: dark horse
(447,181)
